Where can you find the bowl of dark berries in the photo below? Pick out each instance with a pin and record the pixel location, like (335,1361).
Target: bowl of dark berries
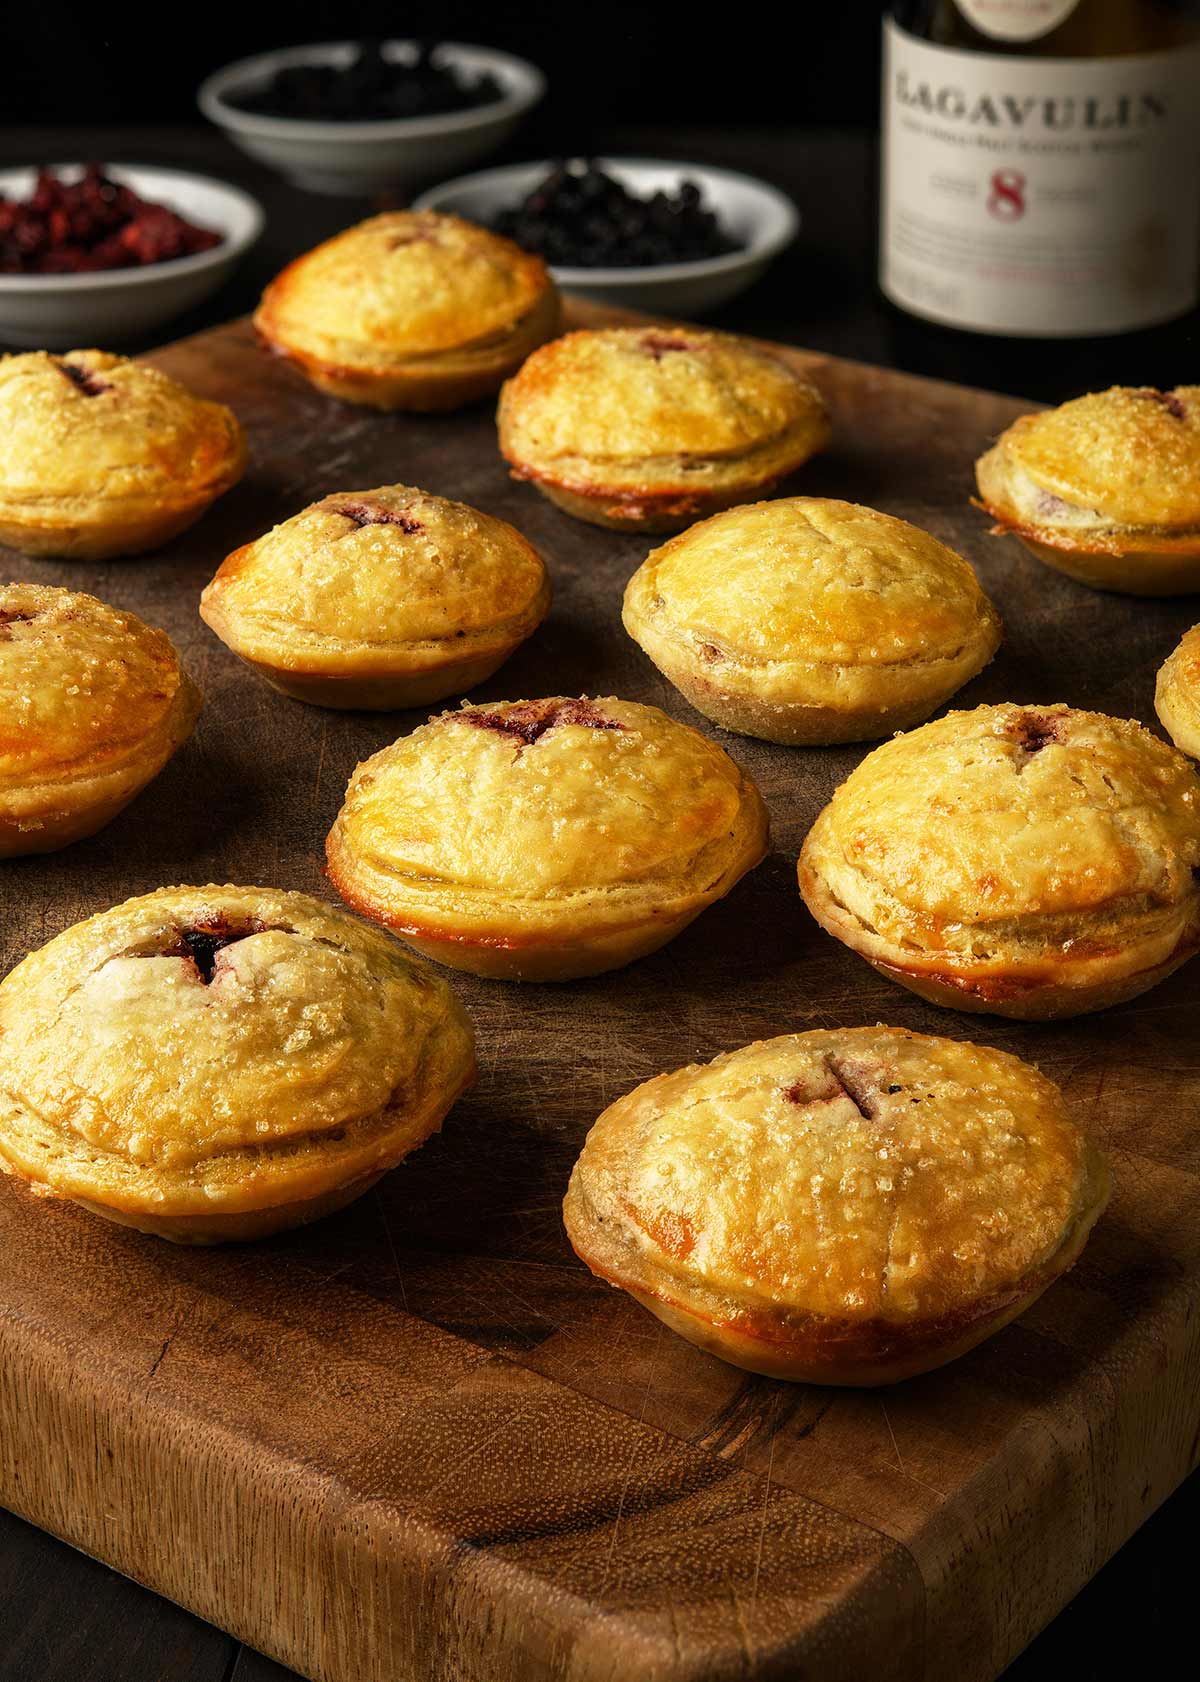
(363,117)
(668,237)
(96,256)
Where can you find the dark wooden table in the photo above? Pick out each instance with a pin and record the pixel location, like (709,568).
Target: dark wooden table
(64,1616)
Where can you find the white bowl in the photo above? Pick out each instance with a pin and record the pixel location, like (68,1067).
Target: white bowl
(400,154)
(86,311)
(763,219)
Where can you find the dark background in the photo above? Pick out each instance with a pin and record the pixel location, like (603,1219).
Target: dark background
(810,64)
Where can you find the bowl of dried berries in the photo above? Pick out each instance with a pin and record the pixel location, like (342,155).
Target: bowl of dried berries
(97,256)
(362,117)
(668,237)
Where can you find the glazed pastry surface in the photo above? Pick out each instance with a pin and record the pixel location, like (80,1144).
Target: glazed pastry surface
(550,822)
(1013,851)
(848,1205)
(809,619)
(1106,487)
(92,704)
(390,582)
(414,295)
(650,420)
(100,455)
(204,1052)
(1177,693)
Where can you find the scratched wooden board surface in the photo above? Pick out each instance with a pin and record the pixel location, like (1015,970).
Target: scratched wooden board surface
(419,1441)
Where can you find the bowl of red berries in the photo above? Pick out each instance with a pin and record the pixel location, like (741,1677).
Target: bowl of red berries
(97,255)
(672,238)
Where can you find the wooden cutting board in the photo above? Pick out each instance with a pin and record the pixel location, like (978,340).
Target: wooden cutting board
(419,1441)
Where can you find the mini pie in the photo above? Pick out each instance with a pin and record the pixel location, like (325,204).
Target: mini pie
(1105,488)
(540,840)
(410,310)
(383,598)
(850,1206)
(1177,693)
(645,428)
(92,705)
(220,1063)
(100,456)
(808,620)
(1029,861)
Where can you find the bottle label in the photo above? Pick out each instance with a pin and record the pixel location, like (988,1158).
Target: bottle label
(1043,197)
(1015,20)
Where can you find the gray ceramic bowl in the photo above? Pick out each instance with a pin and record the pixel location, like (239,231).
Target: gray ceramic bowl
(356,159)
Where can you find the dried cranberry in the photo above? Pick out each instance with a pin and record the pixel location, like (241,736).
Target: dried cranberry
(78,227)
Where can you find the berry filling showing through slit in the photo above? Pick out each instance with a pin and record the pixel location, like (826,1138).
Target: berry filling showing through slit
(200,943)
(420,236)
(1172,404)
(13,616)
(857,1084)
(1032,732)
(842,1079)
(530,719)
(659,345)
(90,384)
(371,514)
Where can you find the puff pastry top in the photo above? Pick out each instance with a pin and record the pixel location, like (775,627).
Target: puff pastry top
(220,1048)
(88,430)
(358,575)
(406,285)
(813,583)
(83,686)
(854,1174)
(531,813)
(1011,832)
(617,406)
(1129,456)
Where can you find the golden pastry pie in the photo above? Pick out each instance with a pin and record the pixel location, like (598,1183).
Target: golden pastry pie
(220,1063)
(100,456)
(808,620)
(1177,693)
(383,598)
(645,428)
(1028,861)
(410,310)
(540,840)
(1105,488)
(850,1206)
(92,705)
